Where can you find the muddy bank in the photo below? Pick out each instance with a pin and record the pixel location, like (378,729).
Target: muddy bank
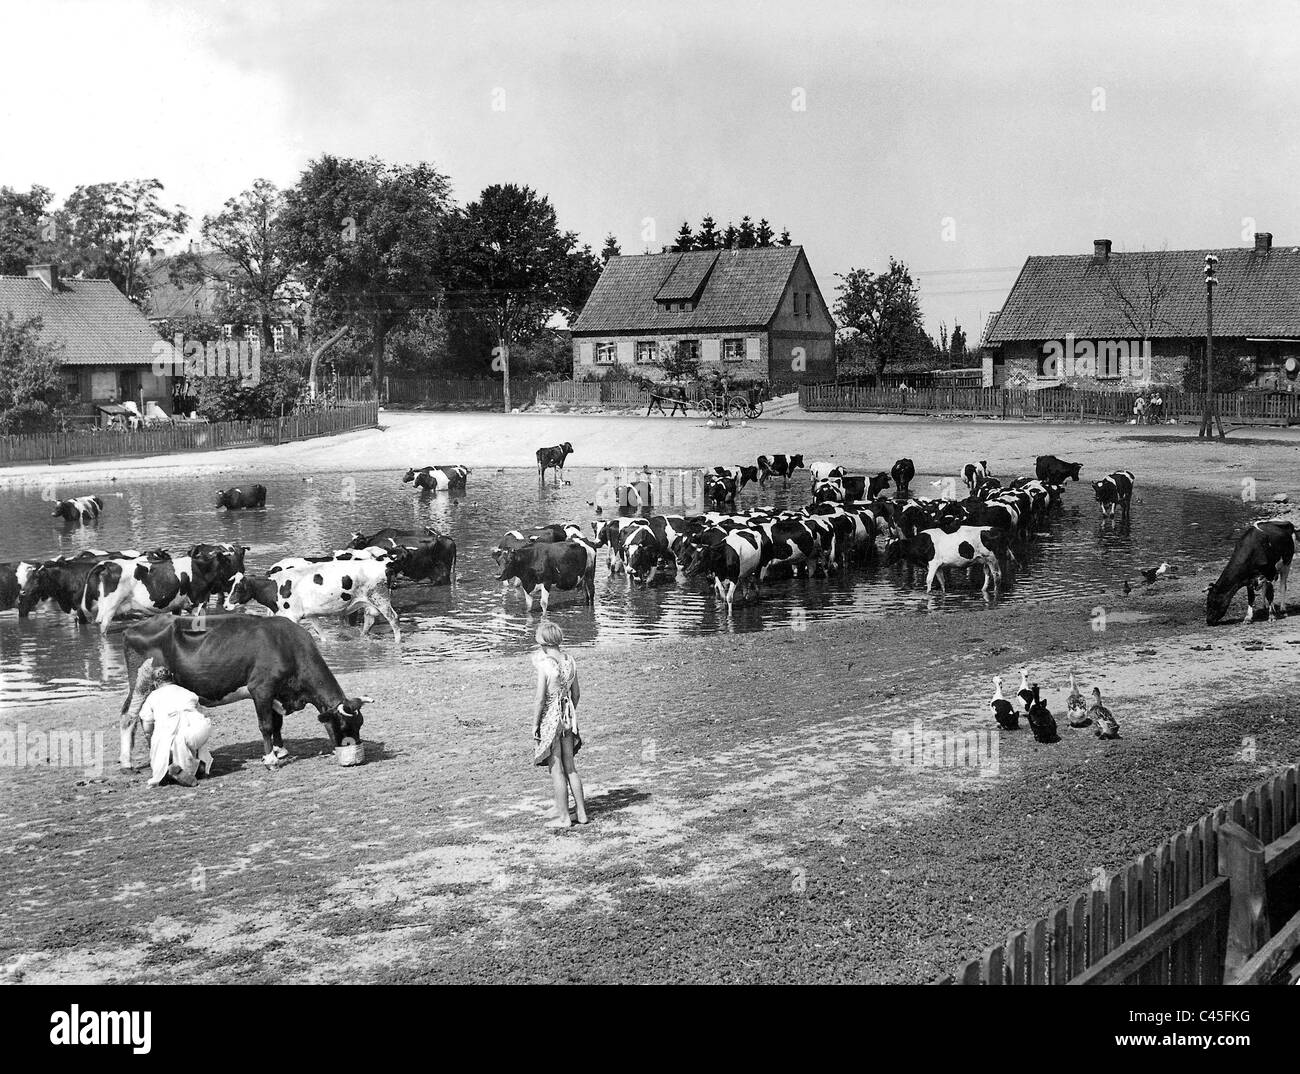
(1171,455)
(755,815)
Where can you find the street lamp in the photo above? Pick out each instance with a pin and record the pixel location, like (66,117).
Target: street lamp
(1211,414)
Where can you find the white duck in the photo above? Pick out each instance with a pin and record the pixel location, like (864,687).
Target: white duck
(1003,711)
(1025,694)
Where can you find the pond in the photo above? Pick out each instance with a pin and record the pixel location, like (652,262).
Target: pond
(50,656)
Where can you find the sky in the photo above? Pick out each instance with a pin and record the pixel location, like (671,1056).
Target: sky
(958,137)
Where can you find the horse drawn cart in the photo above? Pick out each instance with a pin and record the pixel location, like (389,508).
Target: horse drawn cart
(719,403)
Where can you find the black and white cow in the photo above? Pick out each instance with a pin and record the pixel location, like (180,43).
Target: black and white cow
(1116,488)
(553,458)
(539,568)
(733,563)
(81,509)
(433,560)
(335,587)
(62,580)
(437,478)
(236,499)
(1263,554)
(212,568)
(824,471)
(936,550)
(778,466)
(117,588)
(719,490)
(1053,471)
(741,475)
(902,472)
(974,472)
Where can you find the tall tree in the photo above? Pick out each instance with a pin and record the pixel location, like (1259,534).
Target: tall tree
(513,269)
(730,236)
(784,240)
(610,249)
(248,232)
(23,219)
(106,230)
(763,233)
(365,237)
(957,348)
(707,237)
(882,310)
(31,387)
(685,238)
(746,234)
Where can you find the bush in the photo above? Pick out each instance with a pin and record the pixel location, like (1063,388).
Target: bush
(32,390)
(281,386)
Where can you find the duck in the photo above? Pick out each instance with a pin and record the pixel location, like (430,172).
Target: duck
(1152,573)
(1076,709)
(1003,711)
(1107,725)
(1041,721)
(1025,694)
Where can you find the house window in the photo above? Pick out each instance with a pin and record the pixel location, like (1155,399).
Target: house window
(807,305)
(733,350)
(690,348)
(796,303)
(647,351)
(74,388)
(227,331)
(277,337)
(103,386)
(606,353)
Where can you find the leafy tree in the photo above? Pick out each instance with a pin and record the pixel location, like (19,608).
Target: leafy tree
(707,237)
(365,237)
(784,240)
(513,269)
(882,310)
(106,230)
(248,232)
(677,362)
(957,348)
(32,389)
(685,238)
(763,233)
(745,234)
(730,237)
(610,249)
(281,386)
(23,218)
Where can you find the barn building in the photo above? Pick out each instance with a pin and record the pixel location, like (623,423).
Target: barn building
(1124,321)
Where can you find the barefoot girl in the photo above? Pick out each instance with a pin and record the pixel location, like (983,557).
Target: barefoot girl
(555,722)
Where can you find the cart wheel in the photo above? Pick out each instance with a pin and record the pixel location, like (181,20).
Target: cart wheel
(754,411)
(737,408)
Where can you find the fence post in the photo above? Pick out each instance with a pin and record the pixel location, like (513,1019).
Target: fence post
(1241,859)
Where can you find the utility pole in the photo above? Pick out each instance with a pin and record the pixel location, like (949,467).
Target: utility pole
(1211,415)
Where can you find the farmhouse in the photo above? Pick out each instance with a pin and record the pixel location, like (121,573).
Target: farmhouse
(1127,320)
(753,314)
(108,346)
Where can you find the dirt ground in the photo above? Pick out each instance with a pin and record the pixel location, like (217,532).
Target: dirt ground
(758,813)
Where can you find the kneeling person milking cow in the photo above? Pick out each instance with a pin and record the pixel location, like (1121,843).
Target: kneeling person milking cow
(269,660)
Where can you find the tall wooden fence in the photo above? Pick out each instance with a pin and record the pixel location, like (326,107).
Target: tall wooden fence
(197,436)
(470,394)
(1237,408)
(1165,918)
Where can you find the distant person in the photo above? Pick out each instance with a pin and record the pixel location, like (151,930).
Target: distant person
(556,739)
(1139,410)
(1157,408)
(178,731)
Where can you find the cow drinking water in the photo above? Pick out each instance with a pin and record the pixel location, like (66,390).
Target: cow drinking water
(1263,554)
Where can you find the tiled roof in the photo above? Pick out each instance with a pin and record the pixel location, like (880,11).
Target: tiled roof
(989,323)
(742,291)
(91,318)
(1258,294)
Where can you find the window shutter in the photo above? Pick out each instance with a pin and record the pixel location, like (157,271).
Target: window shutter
(711,350)
(751,349)
(626,351)
(586,355)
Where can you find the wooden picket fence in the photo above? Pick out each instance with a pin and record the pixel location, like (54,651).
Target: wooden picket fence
(482,393)
(1052,404)
(1165,919)
(190,436)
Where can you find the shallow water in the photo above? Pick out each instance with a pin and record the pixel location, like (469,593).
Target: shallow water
(49,656)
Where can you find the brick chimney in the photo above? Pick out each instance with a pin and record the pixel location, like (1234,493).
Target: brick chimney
(1101,248)
(1263,241)
(48,274)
